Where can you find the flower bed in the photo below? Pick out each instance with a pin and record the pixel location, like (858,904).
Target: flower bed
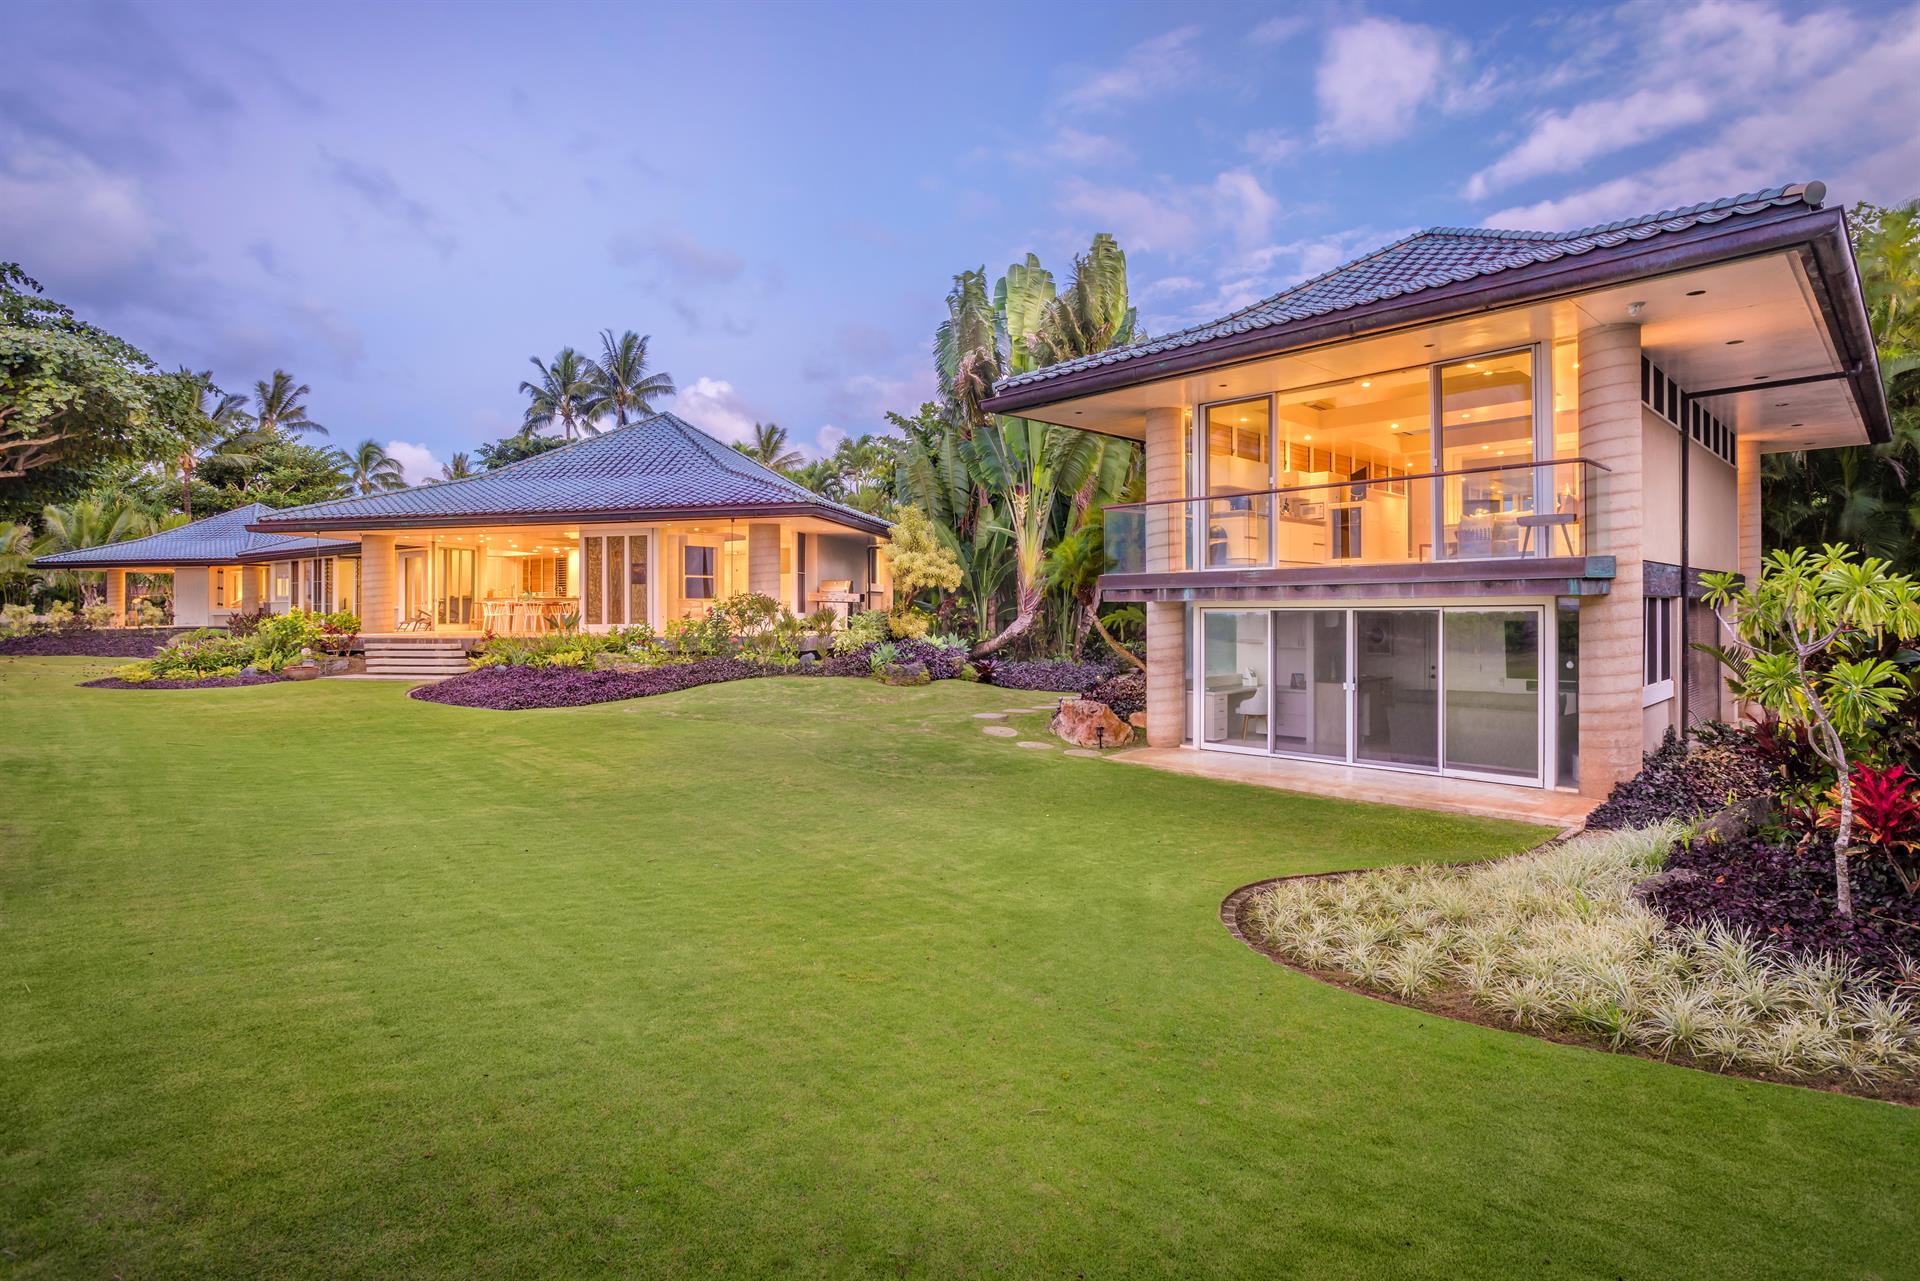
(520,688)
(89,642)
(1786,896)
(1125,693)
(201,682)
(1556,942)
(1046,674)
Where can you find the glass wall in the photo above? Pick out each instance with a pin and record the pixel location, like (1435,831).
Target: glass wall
(1239,461)
(1396,686)
(1492,666)
(1362,429)
(1235,699)
(1486,418)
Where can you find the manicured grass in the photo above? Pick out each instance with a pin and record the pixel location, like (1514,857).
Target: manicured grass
(786,977)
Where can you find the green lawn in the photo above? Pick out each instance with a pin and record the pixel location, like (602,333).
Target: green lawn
(786,977)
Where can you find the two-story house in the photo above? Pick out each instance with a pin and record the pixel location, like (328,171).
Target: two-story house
(1445,509)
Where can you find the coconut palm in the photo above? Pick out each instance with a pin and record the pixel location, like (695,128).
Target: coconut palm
(769,448)
(457,468)
(371,469)
(215,428)
(563,394)
(823,478)
(278,405)
(620,381)
(87,522)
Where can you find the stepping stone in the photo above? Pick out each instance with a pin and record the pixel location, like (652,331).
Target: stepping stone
(1084,751)
(989,716)
(1000,731)
(1035,744)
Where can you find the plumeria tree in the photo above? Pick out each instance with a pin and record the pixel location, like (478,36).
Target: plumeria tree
(1806,645)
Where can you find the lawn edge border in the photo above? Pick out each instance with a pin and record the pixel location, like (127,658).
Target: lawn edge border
(1233,910)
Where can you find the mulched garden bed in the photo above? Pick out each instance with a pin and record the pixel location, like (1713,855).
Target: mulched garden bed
(523,688)
(204,682)
(86,642)
(1675,783)
(1049,675)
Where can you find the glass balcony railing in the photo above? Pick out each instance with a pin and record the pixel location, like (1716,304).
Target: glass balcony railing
(1500,512)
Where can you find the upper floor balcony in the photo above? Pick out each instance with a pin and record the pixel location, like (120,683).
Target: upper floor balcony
(1537,519)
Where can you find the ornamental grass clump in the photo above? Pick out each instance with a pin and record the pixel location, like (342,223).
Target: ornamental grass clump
(1556,941)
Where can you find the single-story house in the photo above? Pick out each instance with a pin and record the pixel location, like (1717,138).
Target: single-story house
(221,567)
(1444,510)
(640,524)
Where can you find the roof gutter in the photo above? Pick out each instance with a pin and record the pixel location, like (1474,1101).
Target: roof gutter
(1822,231)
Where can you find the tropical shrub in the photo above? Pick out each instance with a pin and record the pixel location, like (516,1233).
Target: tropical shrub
(692,639)
(286,638)
(1805,646)
(881,657)
(822,621)
(868,627)
(1886,815)
(1556,941)
(15,620)
(100,615)
(1125,694)
(203,652)
(919,562)
(1054,675)
(146,613)
(1724,766)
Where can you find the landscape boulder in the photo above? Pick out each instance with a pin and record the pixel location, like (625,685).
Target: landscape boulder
(1086,723)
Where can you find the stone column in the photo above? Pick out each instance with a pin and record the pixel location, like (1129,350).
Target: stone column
(250,576)
(379,577)
(1612,669)
(763,559)
(1746,461)
(117,596)
(1166,620)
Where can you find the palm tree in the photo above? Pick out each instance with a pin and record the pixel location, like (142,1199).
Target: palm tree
(217,429)
(278,405)
(87,522)
(769,448)
(621,384)
(564,394)
(822,477)
(372,470)
(458,468)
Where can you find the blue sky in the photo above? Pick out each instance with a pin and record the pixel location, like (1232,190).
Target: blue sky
(402,203)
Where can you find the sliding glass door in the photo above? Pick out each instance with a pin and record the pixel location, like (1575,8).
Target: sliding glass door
(1448,690)
(1396,684)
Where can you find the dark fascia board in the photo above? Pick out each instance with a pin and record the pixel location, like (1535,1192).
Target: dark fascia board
(865,524)
(268,557)
(133,563)
(1786,228)
(1536,575)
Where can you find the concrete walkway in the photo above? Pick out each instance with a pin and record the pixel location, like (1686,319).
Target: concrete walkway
(1346,782)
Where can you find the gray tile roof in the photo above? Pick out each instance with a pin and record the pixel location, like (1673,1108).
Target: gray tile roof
(215,540)
(1427,260)
(662,465)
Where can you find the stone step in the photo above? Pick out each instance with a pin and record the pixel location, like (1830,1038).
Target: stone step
(375,667)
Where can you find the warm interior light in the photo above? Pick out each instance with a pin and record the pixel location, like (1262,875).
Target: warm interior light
(1393,426)
(1308,436)
(1365,383)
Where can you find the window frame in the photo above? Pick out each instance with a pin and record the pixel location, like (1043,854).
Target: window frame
(1656,649)
(688,577)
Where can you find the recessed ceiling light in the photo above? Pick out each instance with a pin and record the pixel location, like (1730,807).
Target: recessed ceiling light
(1308,436)
(1365,383)
(1393,426)
(1735,342)
(1695,293)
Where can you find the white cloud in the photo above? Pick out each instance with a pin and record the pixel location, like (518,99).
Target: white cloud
(1840,109)
(1175,218)
(1564,141)
(1270,146)
(1374,76)
(712,405)
(828,439)
(1072,146)
(1153,66)
(80,222)
(417,461)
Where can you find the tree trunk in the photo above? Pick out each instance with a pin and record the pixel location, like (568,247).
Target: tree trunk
(1029,610)
(1081,627)
(1842,842)
(1112,644)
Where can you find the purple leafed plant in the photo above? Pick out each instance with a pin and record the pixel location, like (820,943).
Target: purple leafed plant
(520,688)
(1786,896)
(103,642)
(1048,674)
(202,682)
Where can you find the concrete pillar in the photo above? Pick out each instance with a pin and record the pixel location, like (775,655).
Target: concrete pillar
(763,559)
(379,577)
(117,595)
(1746,461)
(192,596)
(1612,669)
(1166,551)
(250,593)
